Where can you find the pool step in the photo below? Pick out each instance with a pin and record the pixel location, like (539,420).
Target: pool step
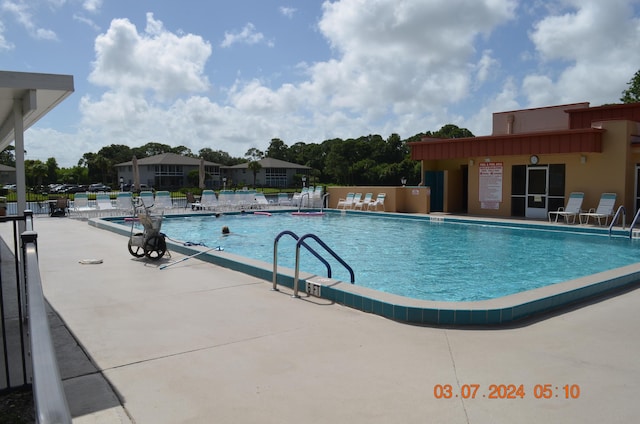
(635,234)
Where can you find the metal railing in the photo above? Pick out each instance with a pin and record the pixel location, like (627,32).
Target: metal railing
(29,355)
(301,243)
(12,309)
(48,394)
(275,256)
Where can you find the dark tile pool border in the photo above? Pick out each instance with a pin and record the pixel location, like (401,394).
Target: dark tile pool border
(505,310)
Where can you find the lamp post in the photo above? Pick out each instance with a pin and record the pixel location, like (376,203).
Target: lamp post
(121,184)
(224,183)
(304,180)
(403,180)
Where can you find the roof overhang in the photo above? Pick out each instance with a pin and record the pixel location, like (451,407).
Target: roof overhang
(587,140)
(39,93)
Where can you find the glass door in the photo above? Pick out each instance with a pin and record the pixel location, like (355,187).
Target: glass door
(537,184)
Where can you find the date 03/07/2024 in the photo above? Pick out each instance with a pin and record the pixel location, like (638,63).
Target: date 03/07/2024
(507,391)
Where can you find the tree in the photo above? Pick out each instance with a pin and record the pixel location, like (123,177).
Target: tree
(52,168)
(632,93)
(7,157)
(254,155)
(277,149)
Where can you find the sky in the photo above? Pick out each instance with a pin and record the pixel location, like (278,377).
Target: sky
(232,75)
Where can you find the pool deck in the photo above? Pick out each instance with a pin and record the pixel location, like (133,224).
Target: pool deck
(197,343)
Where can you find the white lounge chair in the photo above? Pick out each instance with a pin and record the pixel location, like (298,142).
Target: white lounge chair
(347,201)
(356,198)
(379,201)
(571,210)
(123,202)
(104,205)
(208,200)
(147,198)
(364,202)
(163,200)
(604,211)
(283,199)
(261,201)
(80,205)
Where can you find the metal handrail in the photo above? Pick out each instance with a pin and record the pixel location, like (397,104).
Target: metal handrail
(302,200)
(327,248)
(633,224)
(275,256)
(623,211)
(49,399)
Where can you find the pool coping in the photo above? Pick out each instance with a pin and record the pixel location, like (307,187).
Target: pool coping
(499,311)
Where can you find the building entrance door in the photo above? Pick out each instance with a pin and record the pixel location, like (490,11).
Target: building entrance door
(537,191)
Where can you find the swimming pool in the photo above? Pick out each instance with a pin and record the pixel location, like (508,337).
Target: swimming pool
(496,311)
(451,262)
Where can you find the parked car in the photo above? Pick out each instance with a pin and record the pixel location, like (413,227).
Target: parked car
(99,187)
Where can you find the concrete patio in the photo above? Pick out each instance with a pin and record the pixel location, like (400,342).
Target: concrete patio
(196,343)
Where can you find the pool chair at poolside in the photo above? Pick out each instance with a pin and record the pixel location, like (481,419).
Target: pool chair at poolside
(163,200)
(283,199)
(192,202)
(103,202)
(571,210)
(379,201)
(346,202)
(80,206)
(124,202)
(603,211)
(364,202)
(209,200)
(261,201)
(147,198)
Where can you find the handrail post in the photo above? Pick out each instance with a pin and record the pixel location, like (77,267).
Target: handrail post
(297,272)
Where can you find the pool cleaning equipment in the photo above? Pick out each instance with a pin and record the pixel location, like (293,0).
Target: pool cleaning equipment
(151,242)
(218,248)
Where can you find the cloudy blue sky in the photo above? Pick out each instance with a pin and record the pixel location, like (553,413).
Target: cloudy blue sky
(232,75)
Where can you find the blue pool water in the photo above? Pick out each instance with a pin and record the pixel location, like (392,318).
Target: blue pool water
(414,257)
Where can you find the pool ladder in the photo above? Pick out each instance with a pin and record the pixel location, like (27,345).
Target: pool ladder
(300,242)
(633,234)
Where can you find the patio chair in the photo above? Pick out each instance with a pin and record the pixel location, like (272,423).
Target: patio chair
(104,205)
(192,202)
(124,202)
(163,200)
(356,198)
(361,204)
(571,210)
(59,207)
(147,198)
(80,205)
(283,199)
(261,201)
(379,201)
(209,200)
(347,201)
(603,211)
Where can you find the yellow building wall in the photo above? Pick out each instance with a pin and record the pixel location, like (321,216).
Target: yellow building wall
(613,170)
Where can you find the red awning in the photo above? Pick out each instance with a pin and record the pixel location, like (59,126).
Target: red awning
(586,140)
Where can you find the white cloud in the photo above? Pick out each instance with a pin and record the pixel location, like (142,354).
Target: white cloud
(157,61)
(247,35)
(5,44)
(22,14)
(588,51)
(288,11)
(92,5)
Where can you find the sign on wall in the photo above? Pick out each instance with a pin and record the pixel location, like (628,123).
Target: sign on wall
(490,184)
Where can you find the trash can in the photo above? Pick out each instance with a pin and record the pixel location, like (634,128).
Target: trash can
(3,206)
